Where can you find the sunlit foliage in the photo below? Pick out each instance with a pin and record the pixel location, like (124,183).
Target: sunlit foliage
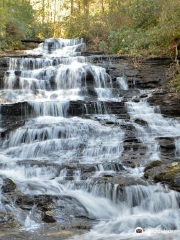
(112,26)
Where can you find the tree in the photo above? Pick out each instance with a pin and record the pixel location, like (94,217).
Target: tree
(16,21)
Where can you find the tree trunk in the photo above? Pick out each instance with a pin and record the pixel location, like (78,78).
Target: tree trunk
(72,7)
(102,5)
(86,8)
(43,11)
(79,6)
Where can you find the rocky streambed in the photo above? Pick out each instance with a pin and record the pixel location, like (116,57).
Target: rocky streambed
(90,145)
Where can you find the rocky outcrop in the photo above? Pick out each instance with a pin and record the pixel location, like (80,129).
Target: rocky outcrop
(168,103)
(8,186)
(166,173)
(167,149)
(139,72)
(170,176)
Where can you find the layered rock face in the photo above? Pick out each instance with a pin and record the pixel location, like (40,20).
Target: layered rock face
(168,103)
(85,142)
(140,73)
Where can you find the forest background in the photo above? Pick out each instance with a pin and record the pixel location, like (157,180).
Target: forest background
(133,27)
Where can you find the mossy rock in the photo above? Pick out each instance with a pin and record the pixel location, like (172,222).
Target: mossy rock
(152,165)
(170,176)
(8,186)
(148,171)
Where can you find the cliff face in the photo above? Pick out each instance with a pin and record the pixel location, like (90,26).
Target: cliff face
(140,73)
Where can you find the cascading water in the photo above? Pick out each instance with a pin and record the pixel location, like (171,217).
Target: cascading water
(55,154)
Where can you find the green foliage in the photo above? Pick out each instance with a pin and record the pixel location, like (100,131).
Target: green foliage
(152,29)
(112,26)
(79,26)
(144,13)
(16,19)
(128,26)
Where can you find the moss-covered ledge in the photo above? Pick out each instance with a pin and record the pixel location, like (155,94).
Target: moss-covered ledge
(168,174)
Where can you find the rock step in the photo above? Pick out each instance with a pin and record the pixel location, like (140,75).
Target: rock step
(139,72)
(10,123)
(68,171)
(134,152)
(76,108)
(168,103)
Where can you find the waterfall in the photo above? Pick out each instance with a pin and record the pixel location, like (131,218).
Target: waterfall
(82,158)
(122,82)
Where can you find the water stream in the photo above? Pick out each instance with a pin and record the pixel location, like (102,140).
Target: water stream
(36,156)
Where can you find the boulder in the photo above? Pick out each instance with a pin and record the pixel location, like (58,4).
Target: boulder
(141,122)
(170,176)
(8,186)
(167,143)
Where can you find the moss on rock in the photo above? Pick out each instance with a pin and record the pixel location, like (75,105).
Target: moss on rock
(170,176)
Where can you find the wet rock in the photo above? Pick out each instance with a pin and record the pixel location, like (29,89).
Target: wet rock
(153,168)
(167,149)
(62,234)
(144,96)
(141,122)
(16,109)
(8,186)
(122,181)
(89,92)
(129,163)
(17,73)
(11,224)
(4,63)
(43,202)
(131,140)
(48,218)
(113,166)
(136,100)
(167,102)
(48,232)
(88,79)
(82,224)
(153,165)
(9,124)
(140,73)
(3,217)
(166,143)
(134,151)
(170,176)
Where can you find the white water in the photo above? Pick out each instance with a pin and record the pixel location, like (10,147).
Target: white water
(48,84)
(156,126)
(122,82)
